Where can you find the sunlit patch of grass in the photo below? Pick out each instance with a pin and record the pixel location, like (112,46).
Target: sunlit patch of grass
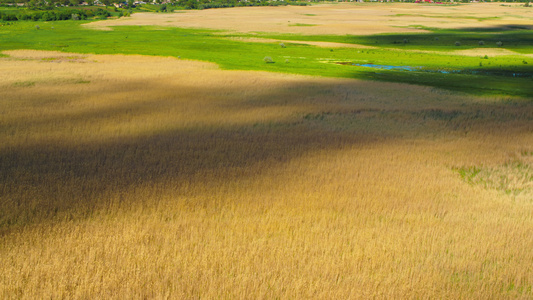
(514,177)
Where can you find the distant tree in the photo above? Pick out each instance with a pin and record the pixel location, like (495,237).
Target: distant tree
(32,4)
(191,4)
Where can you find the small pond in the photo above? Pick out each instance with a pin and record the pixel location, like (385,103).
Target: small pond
(506,73)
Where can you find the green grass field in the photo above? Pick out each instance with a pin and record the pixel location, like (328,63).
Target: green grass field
(429,52)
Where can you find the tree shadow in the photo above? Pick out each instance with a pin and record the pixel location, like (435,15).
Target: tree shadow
(486,81)
(512,36)
(53,179)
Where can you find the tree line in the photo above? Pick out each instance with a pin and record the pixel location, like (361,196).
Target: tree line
(54,10)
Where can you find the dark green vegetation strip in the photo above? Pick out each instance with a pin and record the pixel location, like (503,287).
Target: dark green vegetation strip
(513,177)
(518,38)
(504,75)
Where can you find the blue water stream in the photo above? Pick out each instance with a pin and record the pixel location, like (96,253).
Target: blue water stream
(421,69)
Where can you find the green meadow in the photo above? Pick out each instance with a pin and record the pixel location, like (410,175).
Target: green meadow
(430,55)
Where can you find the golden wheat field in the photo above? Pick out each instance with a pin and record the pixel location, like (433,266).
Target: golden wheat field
(134,177)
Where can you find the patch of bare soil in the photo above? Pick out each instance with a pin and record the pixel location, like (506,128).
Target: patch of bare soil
(318,44)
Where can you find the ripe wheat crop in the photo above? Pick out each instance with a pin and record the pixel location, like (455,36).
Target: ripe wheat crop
(145,177)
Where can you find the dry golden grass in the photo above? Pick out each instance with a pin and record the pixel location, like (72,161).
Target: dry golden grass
(488,51)
(318,44)
(142,177)
(342,18)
